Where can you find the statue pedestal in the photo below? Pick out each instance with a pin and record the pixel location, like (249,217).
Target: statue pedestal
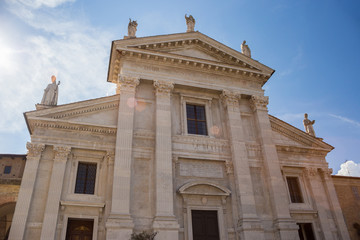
(43,106)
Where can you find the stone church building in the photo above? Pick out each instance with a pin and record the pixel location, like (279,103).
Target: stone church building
(186,148)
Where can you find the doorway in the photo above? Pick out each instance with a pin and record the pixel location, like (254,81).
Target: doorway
(205,225)
(79,229)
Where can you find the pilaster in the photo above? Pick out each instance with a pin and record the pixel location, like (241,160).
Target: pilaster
(53,198)
(165,222)
(335,208)
(26,191)
(249,225)
(287,228)
(120,224)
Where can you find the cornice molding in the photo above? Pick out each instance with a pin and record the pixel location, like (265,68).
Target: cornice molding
(188,62)
(85,110)
(302,150)
(297,135)
(71,126)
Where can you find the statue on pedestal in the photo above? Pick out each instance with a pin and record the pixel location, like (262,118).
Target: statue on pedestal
(51,92)
(308,124)
(245,49)
(132,28)
(190,22)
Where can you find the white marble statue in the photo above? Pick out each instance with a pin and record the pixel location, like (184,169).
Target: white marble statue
(308,124)
(190,22)
(132,28)
(51,92)
(245,49)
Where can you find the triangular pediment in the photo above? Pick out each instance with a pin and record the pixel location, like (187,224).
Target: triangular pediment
(194,50)
(94,115)
(286,135)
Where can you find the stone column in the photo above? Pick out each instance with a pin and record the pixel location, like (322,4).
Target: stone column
(287,228)
(249,224)
(119,225)
(26,191)
(55,188)
(334,203)
(165,222)
(319,196)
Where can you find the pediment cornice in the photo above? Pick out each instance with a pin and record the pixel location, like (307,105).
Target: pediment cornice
(299,136)
(158,48)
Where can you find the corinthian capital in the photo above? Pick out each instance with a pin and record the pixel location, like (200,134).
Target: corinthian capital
(163,87)
(310,172)
(259,102)
(61,152)
(326,172)
(230,98)
(34,149)
(127,83)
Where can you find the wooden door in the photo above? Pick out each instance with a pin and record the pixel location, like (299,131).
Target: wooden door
(79,229)
(205,225)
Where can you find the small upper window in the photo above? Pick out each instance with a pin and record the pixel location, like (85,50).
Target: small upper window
(196,119)
(85,178)
(294,189)
(7,169)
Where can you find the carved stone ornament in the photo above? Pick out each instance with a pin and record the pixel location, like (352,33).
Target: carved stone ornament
(190,22)
(163,87)
(62,152)
(310,172)
(326,172)
(259,102)
(34,149)
(230,98)
(229,167)
(110,156)
(308,124)
(127,83)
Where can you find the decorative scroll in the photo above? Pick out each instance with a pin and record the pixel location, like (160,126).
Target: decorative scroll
(61,152)
(34,149)
(259,102)
(163,87)
(127,83)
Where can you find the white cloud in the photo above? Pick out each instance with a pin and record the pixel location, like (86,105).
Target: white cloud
(41,3)
(74,51)
(349,168)
(347,120)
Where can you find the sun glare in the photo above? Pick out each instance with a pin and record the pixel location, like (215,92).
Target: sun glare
(7,61)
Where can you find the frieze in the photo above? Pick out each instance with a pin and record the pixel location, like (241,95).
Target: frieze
(34,149)
(253,150)
(259,102)
(204,144)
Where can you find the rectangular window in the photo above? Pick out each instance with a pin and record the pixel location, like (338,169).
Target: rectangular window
(355,192)
(196,119)
(7,169)
(306,231)
(294,189)
(85,178)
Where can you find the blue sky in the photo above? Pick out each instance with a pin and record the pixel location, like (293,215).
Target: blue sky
(314,46)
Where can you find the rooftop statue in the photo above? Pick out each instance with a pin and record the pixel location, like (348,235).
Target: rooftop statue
(245,49)
(308,124)
(132,28)
(190,22)
(51,92)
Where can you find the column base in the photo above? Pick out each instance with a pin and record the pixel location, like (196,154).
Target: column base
(119,226)
(287,229)
(251,229)
(167,228)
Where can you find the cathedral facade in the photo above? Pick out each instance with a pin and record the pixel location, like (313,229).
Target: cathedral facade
(185,148)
